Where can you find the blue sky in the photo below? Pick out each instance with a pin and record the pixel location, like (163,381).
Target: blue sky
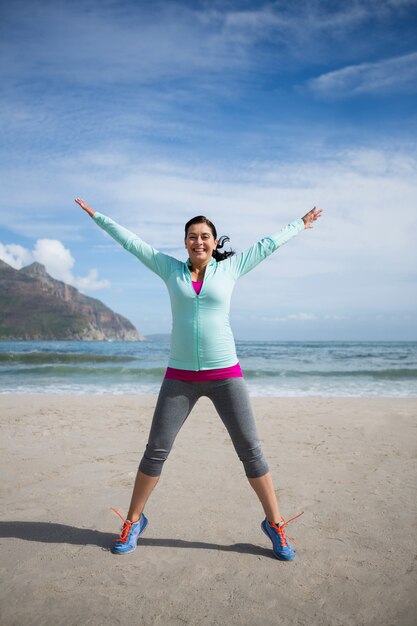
(249,112)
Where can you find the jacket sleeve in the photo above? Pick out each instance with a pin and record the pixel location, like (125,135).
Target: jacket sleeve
(161,264)
(244,262)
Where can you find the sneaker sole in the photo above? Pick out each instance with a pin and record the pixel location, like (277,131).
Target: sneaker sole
(130,551)
(280,558)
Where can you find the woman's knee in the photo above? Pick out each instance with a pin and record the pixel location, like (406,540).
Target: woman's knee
(153,460)
(254,461)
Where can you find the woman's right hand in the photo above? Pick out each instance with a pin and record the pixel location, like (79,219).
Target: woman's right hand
(85,206)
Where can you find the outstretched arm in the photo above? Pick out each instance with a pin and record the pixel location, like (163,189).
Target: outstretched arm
(247,260)
(160,263)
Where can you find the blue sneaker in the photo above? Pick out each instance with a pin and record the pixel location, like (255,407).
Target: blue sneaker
(129,535)
(280,544)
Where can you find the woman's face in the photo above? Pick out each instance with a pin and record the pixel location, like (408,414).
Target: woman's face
(200,244)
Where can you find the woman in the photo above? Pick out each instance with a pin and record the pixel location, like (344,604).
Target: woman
(202,361)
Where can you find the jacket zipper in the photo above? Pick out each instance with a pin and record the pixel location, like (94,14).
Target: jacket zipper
(197,305)
(198,331)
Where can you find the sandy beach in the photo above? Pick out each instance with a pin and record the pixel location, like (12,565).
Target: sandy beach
(348,463)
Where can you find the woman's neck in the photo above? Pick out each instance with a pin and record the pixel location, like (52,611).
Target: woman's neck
(197,273)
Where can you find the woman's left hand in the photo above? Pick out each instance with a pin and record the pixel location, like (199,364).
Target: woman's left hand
(311,217)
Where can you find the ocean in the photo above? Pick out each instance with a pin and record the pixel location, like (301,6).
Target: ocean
(271,368)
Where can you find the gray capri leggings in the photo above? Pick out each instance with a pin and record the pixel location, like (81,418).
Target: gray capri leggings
(231,400)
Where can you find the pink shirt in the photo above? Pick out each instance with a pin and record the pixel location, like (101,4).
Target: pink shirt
(197,284)
(201,376)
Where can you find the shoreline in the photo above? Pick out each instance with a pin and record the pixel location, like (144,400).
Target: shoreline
(348,463)
(253,394)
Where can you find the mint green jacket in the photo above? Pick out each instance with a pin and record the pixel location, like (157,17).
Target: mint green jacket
(201,336)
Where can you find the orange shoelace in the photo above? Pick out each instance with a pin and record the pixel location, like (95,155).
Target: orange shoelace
(126,528)
(281,529)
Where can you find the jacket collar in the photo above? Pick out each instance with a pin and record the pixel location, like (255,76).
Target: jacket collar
(209,264)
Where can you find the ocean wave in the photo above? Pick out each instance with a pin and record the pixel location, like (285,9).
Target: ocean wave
(270,368)
(68,371)
(390,374)
(61,357)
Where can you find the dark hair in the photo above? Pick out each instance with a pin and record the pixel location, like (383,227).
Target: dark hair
(218,256)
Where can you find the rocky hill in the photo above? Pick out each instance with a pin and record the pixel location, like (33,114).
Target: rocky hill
(33,305)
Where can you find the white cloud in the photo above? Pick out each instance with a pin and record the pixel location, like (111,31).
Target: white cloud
(91,282)
(292,317)
(57,260)
(126,45)
(15,255)
(297,317)
(151,41)
(359,189)
(395,74)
